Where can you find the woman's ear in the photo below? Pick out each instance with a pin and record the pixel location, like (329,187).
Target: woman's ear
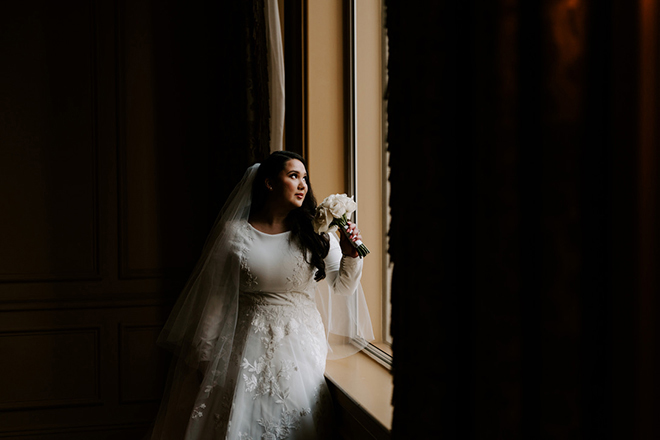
(268,185)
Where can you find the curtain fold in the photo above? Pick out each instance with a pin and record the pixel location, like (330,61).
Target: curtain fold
(275,74)
(240,127)
(514,149)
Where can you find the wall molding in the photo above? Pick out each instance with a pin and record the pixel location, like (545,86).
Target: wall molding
(125,331)
(50,431)
(94,399)
(94,274)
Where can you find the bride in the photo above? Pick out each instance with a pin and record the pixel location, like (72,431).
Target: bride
(268,302)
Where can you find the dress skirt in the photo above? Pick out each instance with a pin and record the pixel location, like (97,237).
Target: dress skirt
(276,374)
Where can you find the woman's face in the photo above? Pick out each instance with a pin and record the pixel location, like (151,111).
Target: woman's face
(290,186)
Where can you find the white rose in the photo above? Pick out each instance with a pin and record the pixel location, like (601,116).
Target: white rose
(340,204)
(350,206)
(322,220)
(336,206)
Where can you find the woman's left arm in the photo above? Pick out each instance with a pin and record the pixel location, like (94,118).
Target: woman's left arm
(343,266)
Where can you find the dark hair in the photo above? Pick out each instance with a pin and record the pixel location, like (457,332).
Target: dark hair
(299,220)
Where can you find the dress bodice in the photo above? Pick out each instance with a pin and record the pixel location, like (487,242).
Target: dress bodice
(274,264)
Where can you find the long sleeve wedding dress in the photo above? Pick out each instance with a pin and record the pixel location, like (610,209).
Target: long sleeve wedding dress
(251,332)
(275,387)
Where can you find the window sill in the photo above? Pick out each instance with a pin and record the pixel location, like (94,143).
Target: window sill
(362,391)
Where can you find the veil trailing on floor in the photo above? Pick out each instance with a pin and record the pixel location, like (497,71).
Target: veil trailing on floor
(201,328)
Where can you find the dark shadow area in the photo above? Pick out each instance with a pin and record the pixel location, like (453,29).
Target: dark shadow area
(516,152)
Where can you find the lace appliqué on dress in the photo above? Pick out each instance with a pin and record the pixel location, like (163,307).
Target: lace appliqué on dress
(244,238)
(264,376)
(198,411)
(281,429)
(268,377)
(300,278)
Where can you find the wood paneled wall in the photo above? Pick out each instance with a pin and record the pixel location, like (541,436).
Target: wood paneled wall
(118,143)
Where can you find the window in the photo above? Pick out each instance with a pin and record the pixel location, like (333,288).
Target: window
(335,117)
(317,126)
(368,169)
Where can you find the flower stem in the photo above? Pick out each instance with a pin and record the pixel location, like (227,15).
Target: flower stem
(342,222)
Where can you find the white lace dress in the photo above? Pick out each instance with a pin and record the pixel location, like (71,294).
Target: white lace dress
(276,369)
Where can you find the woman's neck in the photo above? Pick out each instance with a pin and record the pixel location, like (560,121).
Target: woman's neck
(270,221)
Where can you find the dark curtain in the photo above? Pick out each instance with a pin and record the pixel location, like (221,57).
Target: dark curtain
(522,284)
(239,81)
(212,80)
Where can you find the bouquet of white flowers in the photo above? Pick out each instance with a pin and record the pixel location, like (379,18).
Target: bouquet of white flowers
(333,212)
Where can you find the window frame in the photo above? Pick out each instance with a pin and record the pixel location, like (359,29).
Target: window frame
(297,120)
(351,112)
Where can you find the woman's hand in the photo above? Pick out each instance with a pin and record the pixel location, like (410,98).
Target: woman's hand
(345,239)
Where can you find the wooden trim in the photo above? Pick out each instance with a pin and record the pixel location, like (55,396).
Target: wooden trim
(91,400)
(146,299)
(48,432)
(350,98)
(351,419)
(123,373)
